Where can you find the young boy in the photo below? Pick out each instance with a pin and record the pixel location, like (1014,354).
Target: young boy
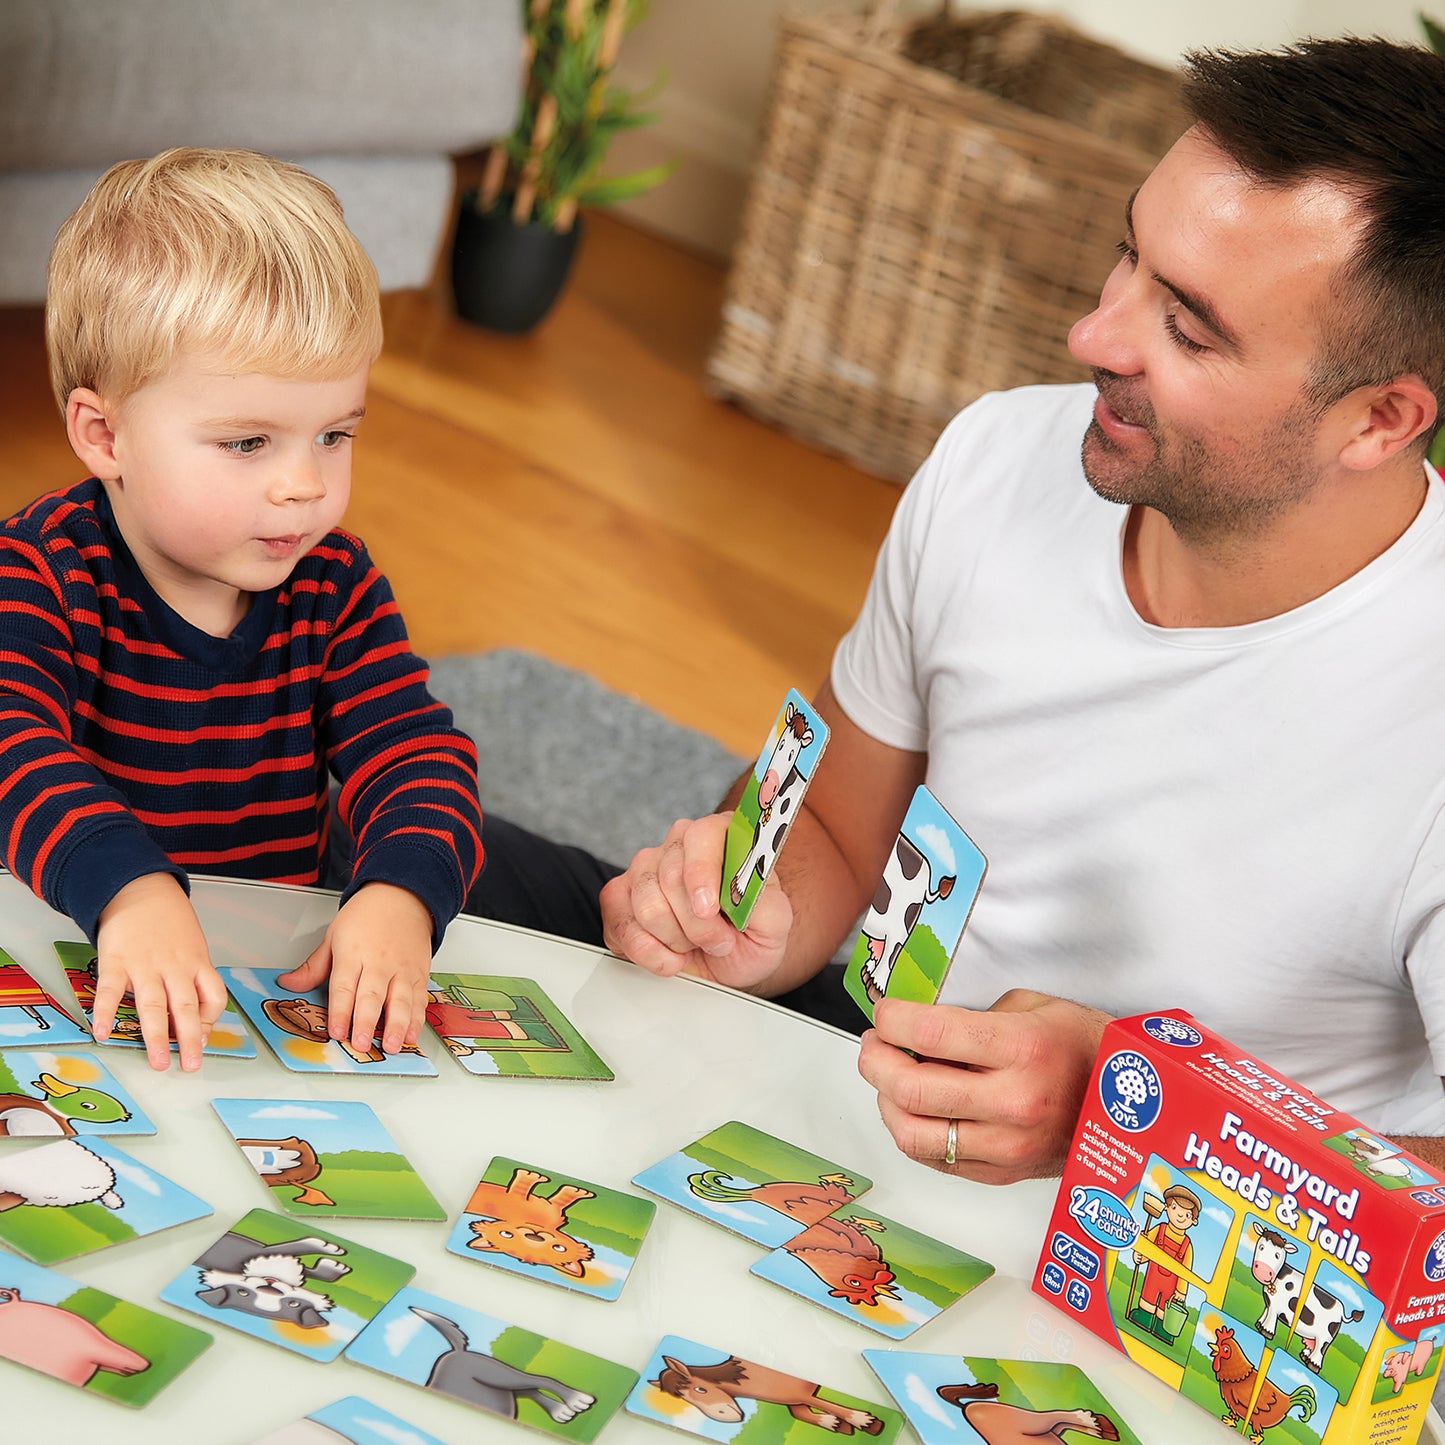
(189,646)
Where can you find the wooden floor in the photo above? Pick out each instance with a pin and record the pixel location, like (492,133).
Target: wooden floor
(574,492)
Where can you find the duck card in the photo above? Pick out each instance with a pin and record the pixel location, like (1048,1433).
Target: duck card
(30,1015)
(66,1198)
(494,1024)
(960,1399)
(312,1294)
(712,1393)
(874,1272)
(355,1420)
(752,1184)
(553,1227)
(327,1157)
(497,1367)
(60,1095)
(294,1025)
(81,1335)
(919,910)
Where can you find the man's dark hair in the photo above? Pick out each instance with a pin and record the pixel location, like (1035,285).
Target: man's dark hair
(1366,115)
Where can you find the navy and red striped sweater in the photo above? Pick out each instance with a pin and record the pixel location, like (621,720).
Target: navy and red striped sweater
(132,742)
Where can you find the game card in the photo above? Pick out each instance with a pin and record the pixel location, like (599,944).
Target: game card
(61,1095)
(752,1184)
(31,1016)
(770,801)
(327,1157)
(497,1367)
(354,1420)
(717,1395)
(919,910)
(553,1227)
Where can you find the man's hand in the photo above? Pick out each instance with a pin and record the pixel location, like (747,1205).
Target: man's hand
(149,944)
(378,955)
(1012,1078)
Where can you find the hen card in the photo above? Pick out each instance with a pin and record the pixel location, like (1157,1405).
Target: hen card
(31,1015)
(61,1095)
(919,910)
(354,1420)
(770,802)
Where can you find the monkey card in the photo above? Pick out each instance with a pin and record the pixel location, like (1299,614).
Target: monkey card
(31,1016)
(61,1096)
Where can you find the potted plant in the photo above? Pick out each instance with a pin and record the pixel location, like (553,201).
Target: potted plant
(517,231)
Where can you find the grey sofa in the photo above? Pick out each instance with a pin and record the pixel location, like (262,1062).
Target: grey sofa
(374,96)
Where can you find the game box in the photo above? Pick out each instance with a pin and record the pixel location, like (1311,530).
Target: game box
(1264,1254)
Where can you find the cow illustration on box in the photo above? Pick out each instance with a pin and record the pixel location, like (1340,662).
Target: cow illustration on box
(1317,1320)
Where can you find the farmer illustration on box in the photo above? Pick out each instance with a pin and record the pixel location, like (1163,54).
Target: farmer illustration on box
(1162,1286)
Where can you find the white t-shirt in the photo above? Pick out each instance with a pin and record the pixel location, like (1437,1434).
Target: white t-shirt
(1242,822)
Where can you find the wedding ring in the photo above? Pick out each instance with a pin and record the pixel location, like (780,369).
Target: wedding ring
(950,1154)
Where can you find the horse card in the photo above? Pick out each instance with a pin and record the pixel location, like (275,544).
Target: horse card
(327,1157)
(715,1394)
(770,801)
(31,1015)
(553,1227)
(61,1095)
(494,1024)
(874,1272)
(354,1420)
(497,1367)
(752,1184)
(919,910)
(312,1294)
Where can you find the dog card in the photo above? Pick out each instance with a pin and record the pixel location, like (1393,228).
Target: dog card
(67,1198)
(327,1158)
(313,1294)
(228,1036)
(752,1184)
(771,800)
(960,1399)
(294,1027)
(493,1024)
(919,911)
(60,1095)
(553,1227)
(354,1420)
(872,1271)
(500,1368)
(31,1016)
(76,1333)
(712,1393)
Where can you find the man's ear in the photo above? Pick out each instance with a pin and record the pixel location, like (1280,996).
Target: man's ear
(1387,419)
(92,437)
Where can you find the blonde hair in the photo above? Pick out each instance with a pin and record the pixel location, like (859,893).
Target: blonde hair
(224,252)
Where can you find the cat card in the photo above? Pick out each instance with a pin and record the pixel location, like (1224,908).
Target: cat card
(752,1184)
(76,1333)
(771,800)
(312,1293)
(228,1036)
(553,1227)
(712,1393)
(65,1198)
(354,1420)
(31,1016)
(492,1024)
(919,911)
(294,1026)
(947,1399)
(58,1096)
(872,1271)
(500,1368)
(327,1158)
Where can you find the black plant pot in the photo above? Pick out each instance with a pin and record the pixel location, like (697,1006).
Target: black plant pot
(506,276)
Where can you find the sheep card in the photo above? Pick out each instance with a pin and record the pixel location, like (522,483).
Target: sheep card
(553,1227)
(497,1367)
(752,1184)
(960,1399)
(294,1025)
(919,910)
(771,800)
(31,1015)
(81,1335)
(66,1198)
(494,1024)
(328,1158)
(713,1393)
(355,1420)
(313,1294)
(874,1272)
(60,1095)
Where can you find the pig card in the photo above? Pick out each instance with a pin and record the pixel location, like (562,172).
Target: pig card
(63,1095)
(919,911)
(31,1016)
(328,1158)
(354,1420)
(770,801)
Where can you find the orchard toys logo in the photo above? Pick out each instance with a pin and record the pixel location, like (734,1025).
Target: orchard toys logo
(1129,1090)
(1434,1265)
(1173,1031)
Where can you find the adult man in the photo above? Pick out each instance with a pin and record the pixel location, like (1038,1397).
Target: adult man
(1199,739)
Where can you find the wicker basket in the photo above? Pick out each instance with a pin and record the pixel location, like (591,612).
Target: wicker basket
(933,208)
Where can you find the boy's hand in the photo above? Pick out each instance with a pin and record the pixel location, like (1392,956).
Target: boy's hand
(378,953)
(149,944)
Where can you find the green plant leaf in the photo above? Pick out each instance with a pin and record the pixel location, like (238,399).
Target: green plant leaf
(1434,34)
(621,188)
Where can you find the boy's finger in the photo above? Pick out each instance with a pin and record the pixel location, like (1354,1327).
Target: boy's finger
(307,974)
(340,1001)
(366,1014)
(186,1026)
(155,1026)
(402,1023)
(102,1008)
